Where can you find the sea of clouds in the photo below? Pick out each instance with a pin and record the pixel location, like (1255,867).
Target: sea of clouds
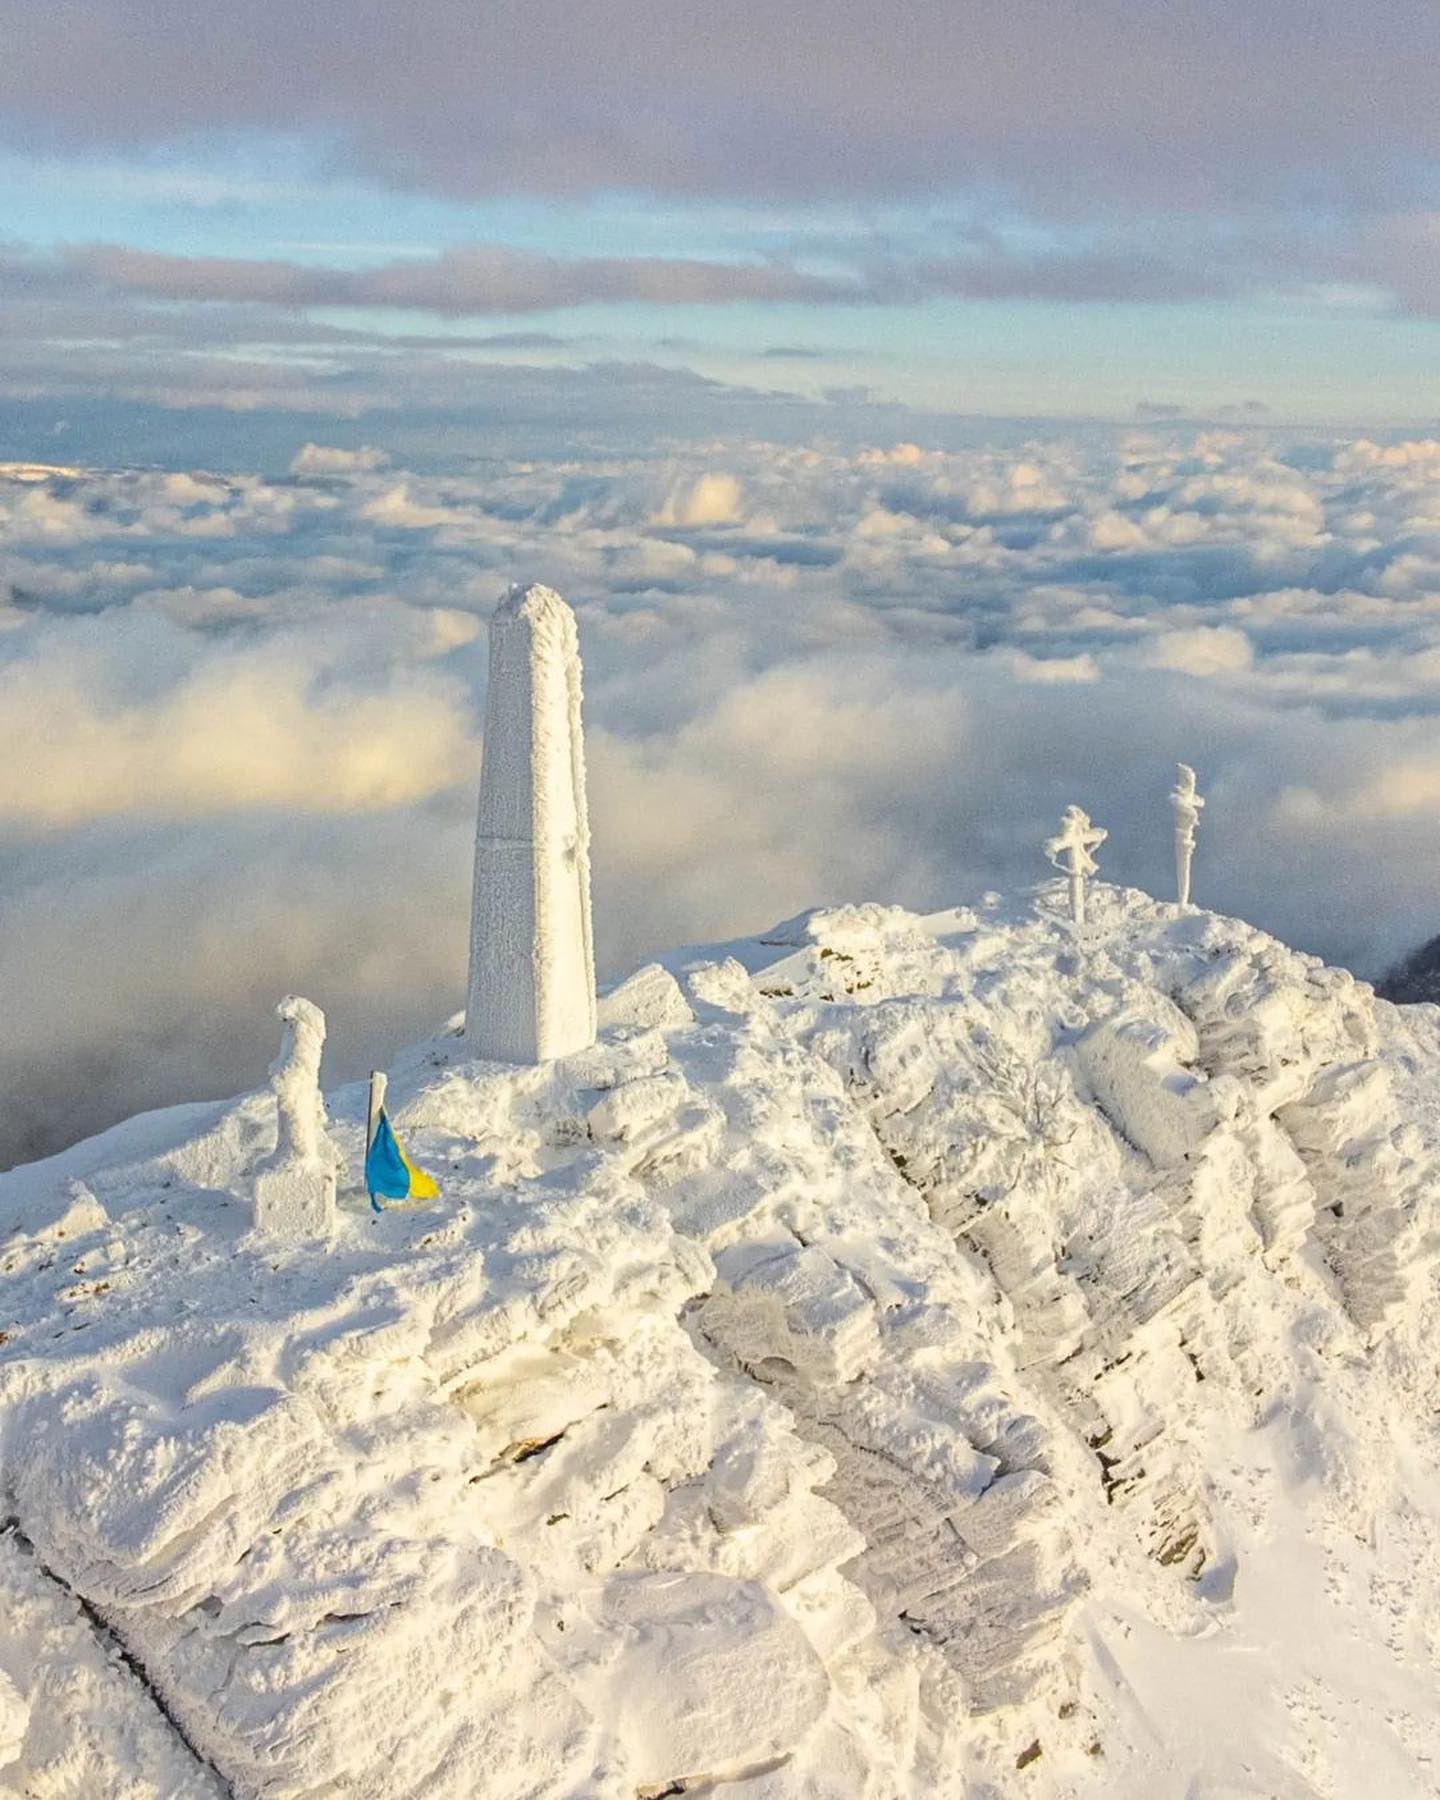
(239,713)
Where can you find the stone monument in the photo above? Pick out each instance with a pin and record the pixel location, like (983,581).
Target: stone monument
(532,963)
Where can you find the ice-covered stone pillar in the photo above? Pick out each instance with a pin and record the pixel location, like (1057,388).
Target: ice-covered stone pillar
(532,963)
(295,1188)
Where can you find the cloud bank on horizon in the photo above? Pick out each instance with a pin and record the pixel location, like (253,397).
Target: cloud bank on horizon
(241,711)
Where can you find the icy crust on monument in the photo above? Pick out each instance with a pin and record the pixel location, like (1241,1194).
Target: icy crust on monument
(532,965)
(899,1349)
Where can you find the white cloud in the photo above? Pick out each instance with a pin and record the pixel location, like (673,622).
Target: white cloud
(1401,790)
(326,459)
(241,731)
(1052,670)
(711,499)
(1419,454)
(396,507)
(1205,650)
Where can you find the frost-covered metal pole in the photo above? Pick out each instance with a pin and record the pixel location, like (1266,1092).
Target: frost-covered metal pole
(532,962)
(1077,838)
(379,1081)
(1187,804)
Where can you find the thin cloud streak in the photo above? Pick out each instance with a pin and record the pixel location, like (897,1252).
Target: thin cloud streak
(490,279)
(1397,257)
(483,278)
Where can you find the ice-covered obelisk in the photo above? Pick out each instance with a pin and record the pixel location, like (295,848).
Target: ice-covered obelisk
(532,963)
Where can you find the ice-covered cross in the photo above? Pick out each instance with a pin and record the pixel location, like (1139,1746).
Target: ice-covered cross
(1077,838)
(1187,804)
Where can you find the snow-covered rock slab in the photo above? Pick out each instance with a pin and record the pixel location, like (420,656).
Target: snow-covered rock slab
(732,1681)
(1139,1065)
(648,998)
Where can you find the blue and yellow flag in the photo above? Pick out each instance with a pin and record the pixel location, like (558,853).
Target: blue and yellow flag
(389,1172)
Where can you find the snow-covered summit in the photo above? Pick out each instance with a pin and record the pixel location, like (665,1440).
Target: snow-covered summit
(903,1356)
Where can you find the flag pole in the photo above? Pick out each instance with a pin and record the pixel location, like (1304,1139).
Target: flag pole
(379,1081)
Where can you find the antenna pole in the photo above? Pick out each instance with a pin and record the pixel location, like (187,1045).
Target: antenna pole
(379,1081)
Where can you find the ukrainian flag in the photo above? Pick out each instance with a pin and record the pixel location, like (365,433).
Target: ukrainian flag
(389,1172)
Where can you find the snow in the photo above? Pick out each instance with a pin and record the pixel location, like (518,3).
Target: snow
(295,1188)
(74,1721)
(900,1356)
(1140,1068)
(532,965)
(651,996)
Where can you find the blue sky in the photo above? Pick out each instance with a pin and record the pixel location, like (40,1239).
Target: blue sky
(1092,216)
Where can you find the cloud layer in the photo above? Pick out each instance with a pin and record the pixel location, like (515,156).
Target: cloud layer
(1218,98)
(241,712)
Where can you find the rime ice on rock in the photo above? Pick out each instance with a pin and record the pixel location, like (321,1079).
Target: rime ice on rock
(295,1188)
(532,967)
(14,1720)
(810,1361)
(1139,1064)
(1076,839)
(1187,804)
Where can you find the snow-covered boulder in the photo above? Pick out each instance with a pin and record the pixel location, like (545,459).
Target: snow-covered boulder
(1139,1065)
(650,997)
